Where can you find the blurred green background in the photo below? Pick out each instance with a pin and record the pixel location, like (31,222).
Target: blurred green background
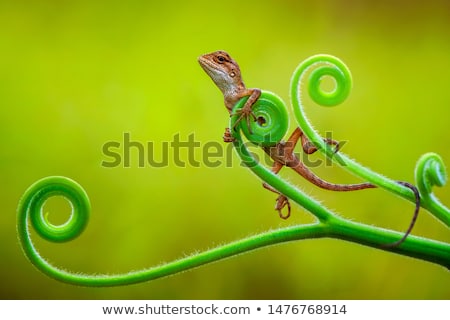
(76,74)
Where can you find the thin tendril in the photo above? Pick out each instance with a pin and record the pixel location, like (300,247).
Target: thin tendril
(430,171)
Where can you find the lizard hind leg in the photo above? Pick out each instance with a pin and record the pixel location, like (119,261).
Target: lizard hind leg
(307,146)
(288,148)
(282,200)
(310,148)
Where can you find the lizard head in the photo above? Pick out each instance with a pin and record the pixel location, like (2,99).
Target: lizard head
(222,69)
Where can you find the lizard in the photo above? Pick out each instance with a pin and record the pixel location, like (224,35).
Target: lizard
(226,74)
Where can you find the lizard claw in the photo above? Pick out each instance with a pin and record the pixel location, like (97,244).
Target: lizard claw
(227,136)
(282,201)
(335,143)
(310,148)
(245,112)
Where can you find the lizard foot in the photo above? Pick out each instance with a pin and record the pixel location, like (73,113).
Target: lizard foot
(282,201)
(246,113)
(310,148)
(227,136)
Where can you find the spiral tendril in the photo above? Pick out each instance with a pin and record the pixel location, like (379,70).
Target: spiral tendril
(342,83)
(321,66)
(430,171)
(272,120)
(35,197)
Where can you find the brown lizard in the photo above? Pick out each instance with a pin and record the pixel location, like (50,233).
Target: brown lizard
(226,74)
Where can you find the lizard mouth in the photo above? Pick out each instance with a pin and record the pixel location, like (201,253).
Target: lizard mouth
(206,64)
(212,70)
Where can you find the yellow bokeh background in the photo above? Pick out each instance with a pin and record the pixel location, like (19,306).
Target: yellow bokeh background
(77,74)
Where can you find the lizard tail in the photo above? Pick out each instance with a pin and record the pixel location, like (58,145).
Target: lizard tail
(301,169)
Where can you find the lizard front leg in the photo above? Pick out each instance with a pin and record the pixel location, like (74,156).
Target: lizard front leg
(246,110)
(227,137)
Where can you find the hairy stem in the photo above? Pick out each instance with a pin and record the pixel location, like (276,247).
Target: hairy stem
(31,205)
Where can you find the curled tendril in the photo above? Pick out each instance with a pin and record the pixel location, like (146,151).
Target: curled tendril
(430,171)
(31,208)
(35,198)
(272,120)
(322,66)
(343,84)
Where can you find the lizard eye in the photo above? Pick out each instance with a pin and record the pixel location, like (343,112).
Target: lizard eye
(221,59)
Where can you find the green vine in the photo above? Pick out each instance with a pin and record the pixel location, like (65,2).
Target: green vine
(430,172)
